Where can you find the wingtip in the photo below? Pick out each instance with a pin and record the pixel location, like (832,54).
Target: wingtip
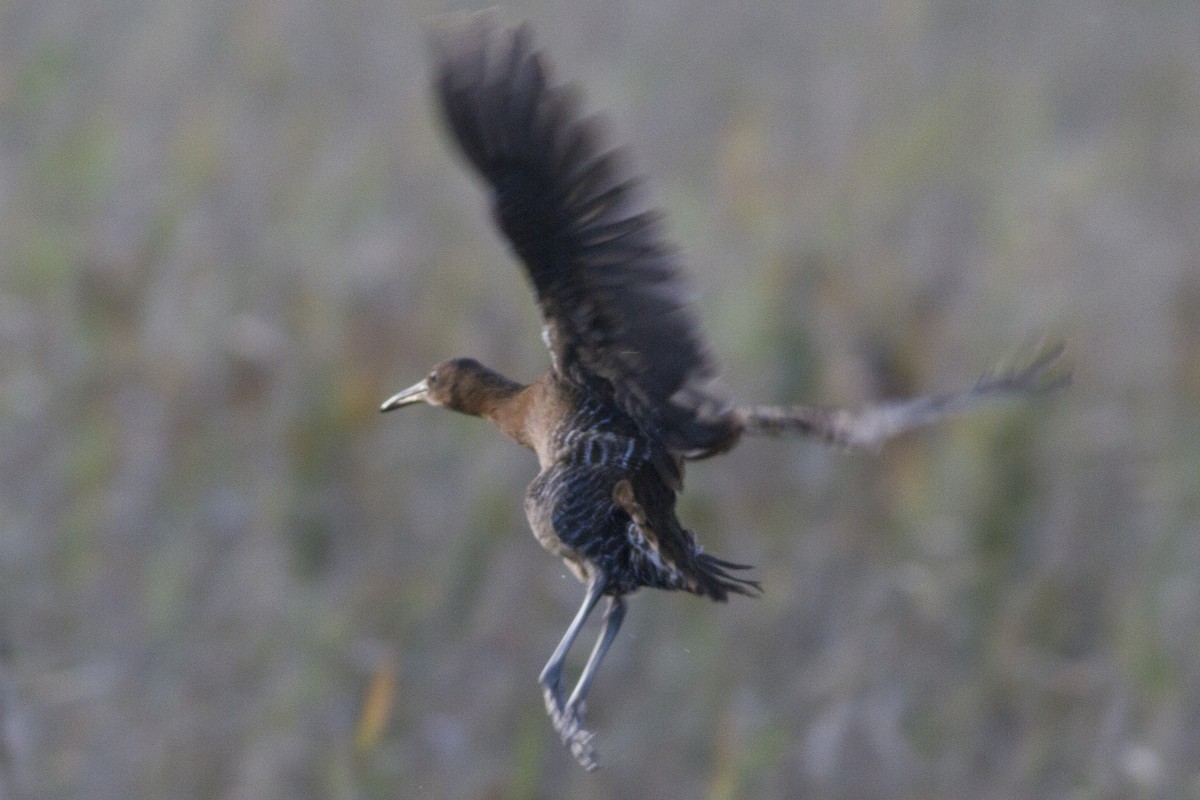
(1047,370)
(459,31)
(466,31)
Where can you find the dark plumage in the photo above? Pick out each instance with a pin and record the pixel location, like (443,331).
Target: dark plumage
(609,286)
(630,394)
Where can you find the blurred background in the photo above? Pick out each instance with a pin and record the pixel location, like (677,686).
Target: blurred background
(229,230)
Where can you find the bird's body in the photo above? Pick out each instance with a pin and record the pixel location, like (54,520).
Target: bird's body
(630,395)
(604,497)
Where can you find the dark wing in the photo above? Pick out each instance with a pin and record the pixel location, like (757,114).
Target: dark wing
(608,285)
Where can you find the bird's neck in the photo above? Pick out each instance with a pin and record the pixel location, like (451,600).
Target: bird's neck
(508,407)
(528,415)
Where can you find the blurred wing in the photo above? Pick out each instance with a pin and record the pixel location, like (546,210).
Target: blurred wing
(609,287)
(871,427)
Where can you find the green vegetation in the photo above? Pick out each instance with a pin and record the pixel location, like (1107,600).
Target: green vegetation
(228,233)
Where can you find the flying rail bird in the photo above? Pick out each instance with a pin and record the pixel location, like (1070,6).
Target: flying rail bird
(631,392)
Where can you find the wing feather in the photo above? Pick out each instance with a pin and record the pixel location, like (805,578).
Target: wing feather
(609,286)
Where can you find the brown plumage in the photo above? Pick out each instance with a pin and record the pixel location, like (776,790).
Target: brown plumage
(630,394)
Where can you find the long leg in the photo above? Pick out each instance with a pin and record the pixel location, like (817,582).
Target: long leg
(567,718)
(551,677)
(613,616)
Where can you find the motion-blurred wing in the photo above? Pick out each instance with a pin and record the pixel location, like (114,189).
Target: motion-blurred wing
(608,285)
(869,428)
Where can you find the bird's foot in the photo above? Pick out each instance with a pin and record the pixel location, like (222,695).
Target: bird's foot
(568,724)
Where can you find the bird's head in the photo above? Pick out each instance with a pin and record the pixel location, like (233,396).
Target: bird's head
(460,384)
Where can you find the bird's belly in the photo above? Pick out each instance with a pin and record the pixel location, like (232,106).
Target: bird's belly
(541,503)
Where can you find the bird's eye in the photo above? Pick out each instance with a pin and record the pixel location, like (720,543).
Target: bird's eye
(432,379)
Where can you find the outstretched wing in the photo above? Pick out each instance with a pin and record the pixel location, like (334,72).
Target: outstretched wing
(608,285)
(869,428)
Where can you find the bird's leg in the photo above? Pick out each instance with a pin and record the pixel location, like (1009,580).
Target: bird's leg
(566,723)
(613,616)
(568,718)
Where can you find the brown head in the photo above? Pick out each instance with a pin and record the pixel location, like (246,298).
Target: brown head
(460,384)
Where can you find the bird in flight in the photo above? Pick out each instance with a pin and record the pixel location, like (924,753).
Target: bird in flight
(631,392)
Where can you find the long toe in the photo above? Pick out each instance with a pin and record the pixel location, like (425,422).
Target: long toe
(580,740)
(568,724)
(554,704)
(577,738)
(583,750)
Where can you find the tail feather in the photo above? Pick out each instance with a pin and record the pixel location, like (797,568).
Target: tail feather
(871,427)
(720,562)
(717,583)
